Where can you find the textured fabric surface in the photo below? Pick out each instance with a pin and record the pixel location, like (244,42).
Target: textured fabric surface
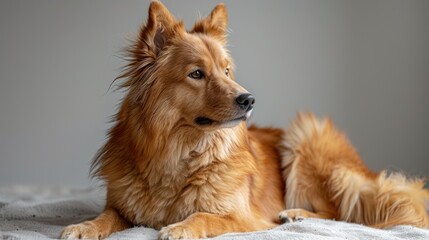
(42,212)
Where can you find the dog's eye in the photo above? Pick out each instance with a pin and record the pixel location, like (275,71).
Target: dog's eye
(197,74)
(227,72)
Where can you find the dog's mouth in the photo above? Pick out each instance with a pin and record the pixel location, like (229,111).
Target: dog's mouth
(208,121)
(205,121)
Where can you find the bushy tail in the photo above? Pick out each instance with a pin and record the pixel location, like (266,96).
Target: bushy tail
(388,200)
(400,201)
(378,200)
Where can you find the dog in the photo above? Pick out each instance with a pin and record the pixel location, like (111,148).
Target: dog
(181,159)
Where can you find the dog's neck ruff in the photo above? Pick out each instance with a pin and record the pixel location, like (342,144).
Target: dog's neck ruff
(185,151)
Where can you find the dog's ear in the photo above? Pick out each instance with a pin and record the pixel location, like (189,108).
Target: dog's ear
(160,26)
(215,24)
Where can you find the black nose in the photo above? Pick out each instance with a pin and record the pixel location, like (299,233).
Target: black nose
(245,101)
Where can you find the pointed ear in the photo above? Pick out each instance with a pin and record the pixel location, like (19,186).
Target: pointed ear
(215,24)
(160,26)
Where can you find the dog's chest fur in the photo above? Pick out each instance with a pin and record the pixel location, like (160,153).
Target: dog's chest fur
(200,182)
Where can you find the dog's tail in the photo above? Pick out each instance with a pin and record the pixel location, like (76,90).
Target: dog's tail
(400,201)
(359,195)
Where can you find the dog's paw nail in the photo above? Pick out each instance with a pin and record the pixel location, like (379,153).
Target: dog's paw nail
(285,219)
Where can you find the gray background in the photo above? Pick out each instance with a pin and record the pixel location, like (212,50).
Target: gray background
(364,63)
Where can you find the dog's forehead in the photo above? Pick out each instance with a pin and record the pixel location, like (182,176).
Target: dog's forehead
(200,47)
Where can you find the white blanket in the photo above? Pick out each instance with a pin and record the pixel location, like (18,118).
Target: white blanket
(42,212)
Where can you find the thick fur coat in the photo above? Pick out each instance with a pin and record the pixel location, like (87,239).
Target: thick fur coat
(181,159)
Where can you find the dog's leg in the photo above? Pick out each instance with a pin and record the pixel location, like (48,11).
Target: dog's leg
(203,225)
(321,208)
(105,224)
(292,215)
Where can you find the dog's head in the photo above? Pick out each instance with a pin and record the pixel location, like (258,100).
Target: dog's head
(185,77)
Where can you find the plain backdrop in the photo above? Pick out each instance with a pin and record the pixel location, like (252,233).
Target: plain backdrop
(363,63)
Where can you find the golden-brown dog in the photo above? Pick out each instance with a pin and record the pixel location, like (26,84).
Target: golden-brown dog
(181,159)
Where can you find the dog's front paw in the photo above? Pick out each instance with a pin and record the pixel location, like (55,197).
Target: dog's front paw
(85,230)
(177,231)
(291,215)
